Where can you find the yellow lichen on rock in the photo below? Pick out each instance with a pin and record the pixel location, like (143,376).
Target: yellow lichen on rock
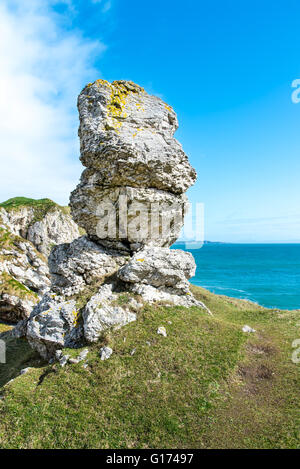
(140,107)
(76,317)
(136,132)
(130,85)
(102,82)
(119,94)
(119,91)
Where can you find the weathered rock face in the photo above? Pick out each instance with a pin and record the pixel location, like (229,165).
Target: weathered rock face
(166,296)
(126,135)
(56,228)
(131,203)
(44,225)
(160,267)
(158,215)
(76,265)
(15,308)
(54,324)
(103,312)
(20,260)
(24,276)
(161,275)
(28,229)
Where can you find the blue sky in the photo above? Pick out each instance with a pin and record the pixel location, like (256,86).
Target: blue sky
(225,66)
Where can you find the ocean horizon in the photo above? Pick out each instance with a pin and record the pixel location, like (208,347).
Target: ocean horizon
(265,273)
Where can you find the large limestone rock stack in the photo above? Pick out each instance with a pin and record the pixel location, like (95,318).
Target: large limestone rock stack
(128,147)
(131,202)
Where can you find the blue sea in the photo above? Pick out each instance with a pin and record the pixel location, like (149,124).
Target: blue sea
(268,274)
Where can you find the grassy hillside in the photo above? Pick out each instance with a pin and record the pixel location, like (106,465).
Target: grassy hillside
(41,206)
(206,385)
(16,202)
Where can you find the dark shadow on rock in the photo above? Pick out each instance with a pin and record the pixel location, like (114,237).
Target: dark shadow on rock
(19,355)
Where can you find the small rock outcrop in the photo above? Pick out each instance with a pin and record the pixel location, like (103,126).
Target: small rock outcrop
(42,222)
(53,324)
(103,312)
(24,277)
(28,230)
(131,203)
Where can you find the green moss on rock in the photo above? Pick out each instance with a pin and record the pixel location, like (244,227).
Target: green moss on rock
(10,286)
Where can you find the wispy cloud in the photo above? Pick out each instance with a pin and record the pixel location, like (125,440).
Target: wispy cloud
(43,67)
(106,4)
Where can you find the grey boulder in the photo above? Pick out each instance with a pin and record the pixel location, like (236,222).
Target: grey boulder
(53,325)
(102,312)
(75,265)
(160,267)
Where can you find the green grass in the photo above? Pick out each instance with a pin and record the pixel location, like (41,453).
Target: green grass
(205,385)
(16,202)
(41,206)
(9,285)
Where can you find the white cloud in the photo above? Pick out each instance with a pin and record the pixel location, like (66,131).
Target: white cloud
(43,68)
